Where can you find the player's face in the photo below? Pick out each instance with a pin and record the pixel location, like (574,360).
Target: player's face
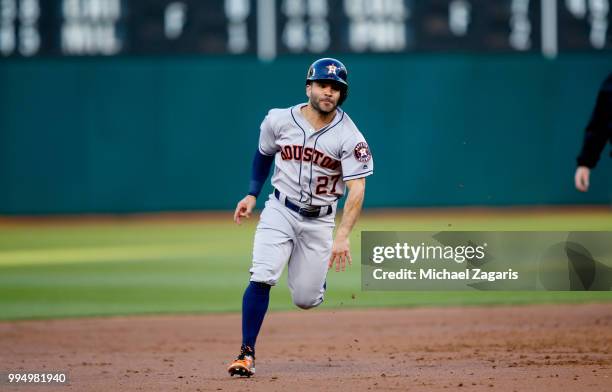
(323,96)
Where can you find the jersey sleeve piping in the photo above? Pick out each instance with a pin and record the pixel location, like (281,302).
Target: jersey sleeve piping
(358,175)
(264,152)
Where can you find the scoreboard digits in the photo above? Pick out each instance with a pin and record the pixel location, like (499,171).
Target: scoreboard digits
(269,28)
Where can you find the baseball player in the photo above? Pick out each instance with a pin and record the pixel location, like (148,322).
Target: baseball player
(317,152)
(598,132)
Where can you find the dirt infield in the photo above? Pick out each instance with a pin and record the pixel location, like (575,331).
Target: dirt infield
(518,348)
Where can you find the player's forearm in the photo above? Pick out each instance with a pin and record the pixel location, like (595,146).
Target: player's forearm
(260,171)
(352,209)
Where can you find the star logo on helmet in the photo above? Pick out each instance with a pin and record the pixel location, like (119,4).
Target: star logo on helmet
(331,69)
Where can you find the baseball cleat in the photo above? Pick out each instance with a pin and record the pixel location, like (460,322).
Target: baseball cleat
(244,365)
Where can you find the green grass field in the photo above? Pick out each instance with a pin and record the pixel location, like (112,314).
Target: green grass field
(132,266)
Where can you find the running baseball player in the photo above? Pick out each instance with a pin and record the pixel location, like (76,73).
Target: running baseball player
(318,152)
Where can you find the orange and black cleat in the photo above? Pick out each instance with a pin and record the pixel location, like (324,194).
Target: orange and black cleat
(244,365)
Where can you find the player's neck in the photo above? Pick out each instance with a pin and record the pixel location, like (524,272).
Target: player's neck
(315,118)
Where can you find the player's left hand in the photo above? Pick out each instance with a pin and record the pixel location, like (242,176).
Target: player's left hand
(341,253)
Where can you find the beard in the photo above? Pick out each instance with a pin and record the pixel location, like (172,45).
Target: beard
(315,104)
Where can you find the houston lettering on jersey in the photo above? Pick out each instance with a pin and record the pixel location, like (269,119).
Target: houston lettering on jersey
(299,153)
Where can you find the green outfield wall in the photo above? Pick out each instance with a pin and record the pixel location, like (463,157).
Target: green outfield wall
(134,134)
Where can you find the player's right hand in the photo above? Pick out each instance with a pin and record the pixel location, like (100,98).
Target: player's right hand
(244,208)
(581,178)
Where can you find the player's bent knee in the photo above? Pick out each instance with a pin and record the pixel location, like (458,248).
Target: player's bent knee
(305,305)
(307,302)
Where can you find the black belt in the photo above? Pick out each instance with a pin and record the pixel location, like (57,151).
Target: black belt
(313,212)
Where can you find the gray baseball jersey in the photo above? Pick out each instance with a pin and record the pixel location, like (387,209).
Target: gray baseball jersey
(311,169)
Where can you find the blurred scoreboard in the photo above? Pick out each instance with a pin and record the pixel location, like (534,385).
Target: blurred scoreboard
(269,28)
